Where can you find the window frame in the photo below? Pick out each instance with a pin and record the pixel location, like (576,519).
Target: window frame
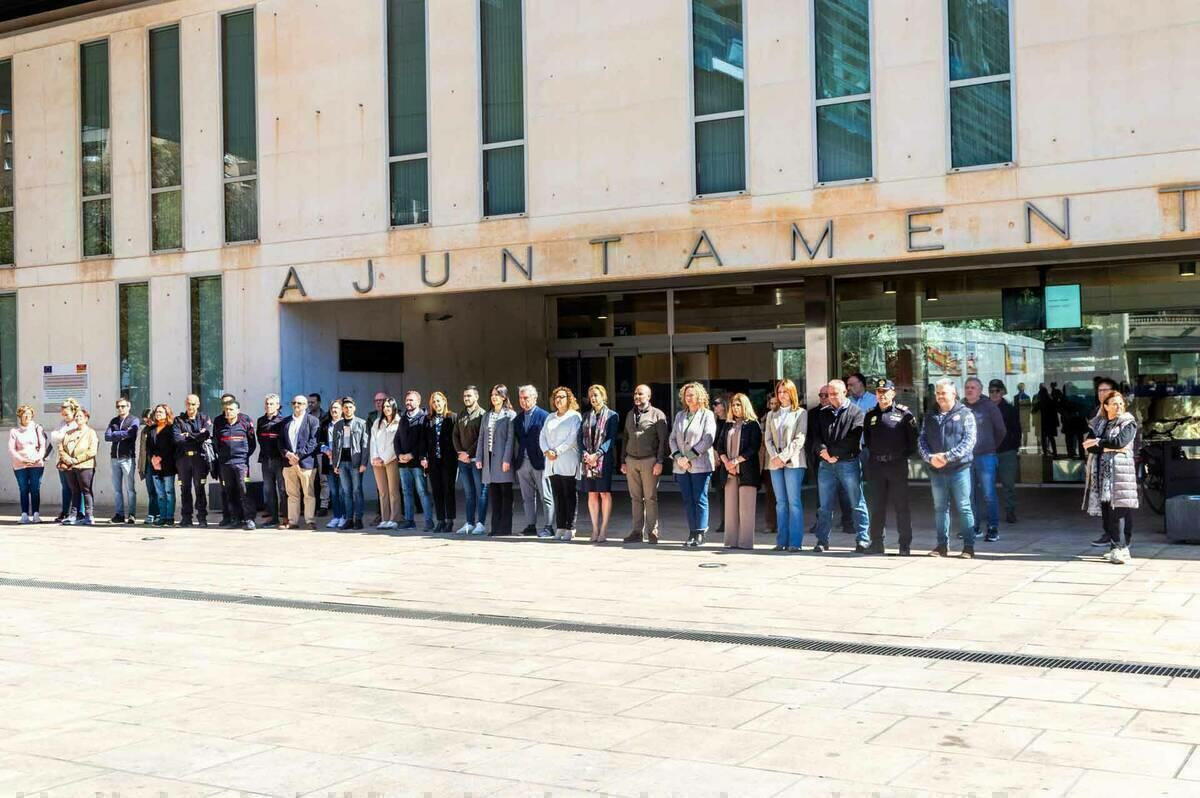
(178,26)
(117,286)
(83,201)
(191,332)
(949,84)
(500,145)
(12,209)
(869,97)
(15,294)
(694,120)
(225,181)
(387,128)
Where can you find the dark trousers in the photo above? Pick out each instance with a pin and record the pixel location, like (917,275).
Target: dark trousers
(274,490)
(233,485)
(889,483)
(566,501)
(1114,518)
(1050,443)
(441,481)
(501,497)
(80,482)
(193,474)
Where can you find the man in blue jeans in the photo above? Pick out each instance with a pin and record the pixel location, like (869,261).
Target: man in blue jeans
(839,429)
(947,444)
(465,436)
(989,434)
(122,433)
(410,450)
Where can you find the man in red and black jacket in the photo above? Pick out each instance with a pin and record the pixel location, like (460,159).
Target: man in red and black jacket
(270,427)
(235,442)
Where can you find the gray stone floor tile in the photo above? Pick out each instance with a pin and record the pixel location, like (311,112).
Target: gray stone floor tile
(583,729)
(173,754)
(1098,784)
(931,734)
(822,722)
(436,748)
(134,785)
(589,698)
(835,695)
(568,766)
(402,781)
(979,775)
(700,743)
(675,778)
(926,703)
(1101,752)
(837,759)
(284,771)
(1058,716)
(700,710)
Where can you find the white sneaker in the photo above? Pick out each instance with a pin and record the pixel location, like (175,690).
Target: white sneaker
(334,523)
(1127,554)
(566,534)
(465,529)
(24,518)
(545,533)
(37,518)
(1114,556)
(479,529)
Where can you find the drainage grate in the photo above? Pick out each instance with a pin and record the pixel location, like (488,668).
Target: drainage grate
(731,638)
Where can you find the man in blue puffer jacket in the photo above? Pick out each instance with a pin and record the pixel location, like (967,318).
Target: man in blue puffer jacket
(947,443)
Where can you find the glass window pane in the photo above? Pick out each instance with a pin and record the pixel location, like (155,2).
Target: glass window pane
(504,181)
(8,357)
(93,71)
(7,250)
(410,192)
(844,141)
(166,163)
(720,156)
(97,228)
(166,219)
(241,211)
(717,52)
(843,48)
(612,315)
(743,307)
(406,77)
(134,326)
(981,124)
(503,82)
(6,135)
(208,372)
(238,104)
(978,38)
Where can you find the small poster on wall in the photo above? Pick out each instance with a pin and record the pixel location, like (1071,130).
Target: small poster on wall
(972,359)
(62,382)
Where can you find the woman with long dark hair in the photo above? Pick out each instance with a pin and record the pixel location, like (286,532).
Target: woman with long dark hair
(1111,487)
(559,441)
(493,456)
(384,463)
(160,462)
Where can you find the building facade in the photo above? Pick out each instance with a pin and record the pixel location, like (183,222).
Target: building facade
(301,195)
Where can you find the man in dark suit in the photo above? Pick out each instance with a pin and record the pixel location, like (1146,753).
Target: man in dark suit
(298,444)
(410,451)
(529,463)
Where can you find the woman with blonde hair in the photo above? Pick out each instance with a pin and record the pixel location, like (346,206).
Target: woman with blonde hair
(692,436)
(596,436)
(784,430)
(738,448)
(441,459)
(77,458)
(27,445)
(559,441)
(67,413)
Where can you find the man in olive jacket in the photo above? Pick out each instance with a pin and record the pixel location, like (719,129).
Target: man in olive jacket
(645,442)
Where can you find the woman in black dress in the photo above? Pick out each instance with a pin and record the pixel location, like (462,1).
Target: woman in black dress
(596,436)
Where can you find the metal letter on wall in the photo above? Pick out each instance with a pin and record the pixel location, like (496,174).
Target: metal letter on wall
(445,272)
(1032,210)
(826,235)
(696,253)
(910,230)
(370,279)
(605,241)
(292,283)
(526,270)
(1181,191)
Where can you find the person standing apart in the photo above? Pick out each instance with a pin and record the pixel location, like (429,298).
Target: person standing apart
(493,457)
(530,464)
(466,441)
(330,451)
(644,450)
(410,451)
(989,434)
(441,460)
(1111,487)
(77,456)
(298,444)
(890,432)
(597,434)
(947,444)
(192,431)
(1007,452)
(738,449)
(143,469)
(27,446)
(161,462)
(70,407)
(559,442)
(351,458)
(693,433)
(838,444)
(234,434)
(1047,410)
(270,458)
(122,433)
(784,437)
(384,464)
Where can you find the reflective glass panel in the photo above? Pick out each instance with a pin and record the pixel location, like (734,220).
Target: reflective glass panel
(8,357)
(97,155)
(504,181)
(241,211)
(410,192)
(720,155)
(717,52)
(97,228)
(981,124)
(843,48)
(502,70)
(978,44)
(407,130)
(166,217)
(134,328)
(166,159)
(844,141)
(207,335)
(238,94)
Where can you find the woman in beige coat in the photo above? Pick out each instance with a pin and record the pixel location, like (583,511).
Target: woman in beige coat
(77,459)
(783,434)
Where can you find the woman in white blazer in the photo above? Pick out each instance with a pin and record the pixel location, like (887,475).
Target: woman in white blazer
(693,434)
(559,441)
(783,434)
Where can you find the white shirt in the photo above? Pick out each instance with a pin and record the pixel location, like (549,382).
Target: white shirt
(294,429)
(383,440)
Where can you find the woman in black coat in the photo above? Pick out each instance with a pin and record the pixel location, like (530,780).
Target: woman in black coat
(738,446)
(441,459)
(160,462)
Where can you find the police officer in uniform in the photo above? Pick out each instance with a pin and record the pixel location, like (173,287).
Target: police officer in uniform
(890,434)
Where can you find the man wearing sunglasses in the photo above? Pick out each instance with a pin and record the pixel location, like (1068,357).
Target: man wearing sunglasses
(122,433)
(298,444)
(1007,453)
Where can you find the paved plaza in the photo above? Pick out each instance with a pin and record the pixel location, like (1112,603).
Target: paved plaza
(109,692)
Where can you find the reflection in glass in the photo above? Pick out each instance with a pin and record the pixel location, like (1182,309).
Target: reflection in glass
(504,181)
(717,51)
(241,211)
(407,130)
(617,315)
(502,74)
(978,38)
(8,358)
(741,307)
(166,162)
(166,220)
(97,227)
(94,133)
(134,332)
(844,141)
(208,373)
(843,48)
(981,124)
(238,94)
(720,156)
(7,248)
(6,137)
(410,192)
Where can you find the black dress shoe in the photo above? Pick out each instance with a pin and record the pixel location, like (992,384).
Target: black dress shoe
(226,525)
(793,549)
(905,551)
(652,538)
(186,522)
(202,523)
(861,549)
(876,548)
(529,531)
(358,524)
(633,537)
(779,548)
(819,548)
(1011,517)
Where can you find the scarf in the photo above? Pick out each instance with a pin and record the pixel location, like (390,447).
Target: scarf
(594,437)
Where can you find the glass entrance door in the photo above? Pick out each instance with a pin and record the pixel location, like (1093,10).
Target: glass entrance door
(619,372)
(749,368)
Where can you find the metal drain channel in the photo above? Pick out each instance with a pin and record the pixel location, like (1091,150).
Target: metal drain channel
(731,638)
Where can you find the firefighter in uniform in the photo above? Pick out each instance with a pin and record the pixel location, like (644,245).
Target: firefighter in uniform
(890,434)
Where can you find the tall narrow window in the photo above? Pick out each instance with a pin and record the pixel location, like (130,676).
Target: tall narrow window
(503,81)
(842,50)
(166,157)
(980,82)
(408,156)
(208,354)
(97,152)
(8,357)
(719,96)
(238,109)
(7,201)
(133,303)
